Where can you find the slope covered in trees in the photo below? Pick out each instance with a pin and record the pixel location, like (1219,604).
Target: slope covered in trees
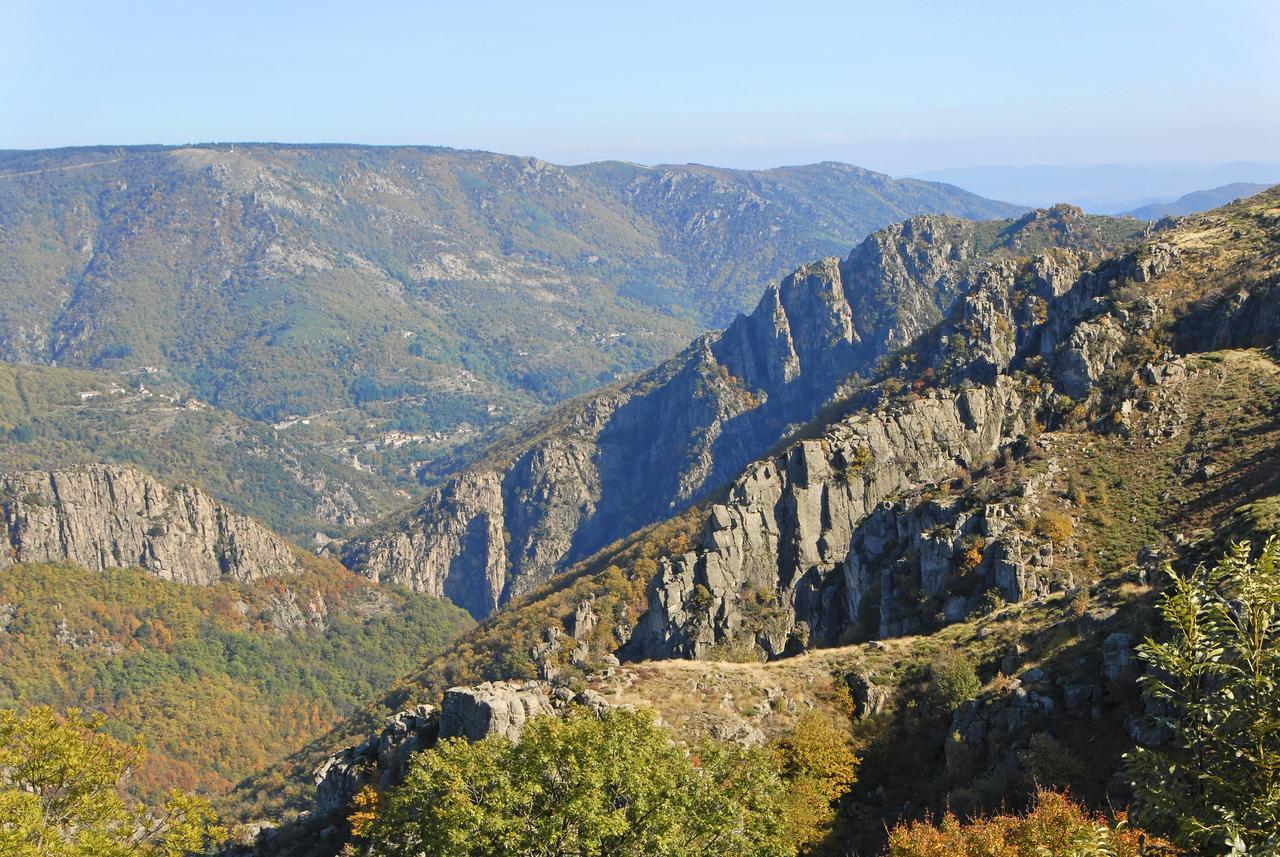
(215,681)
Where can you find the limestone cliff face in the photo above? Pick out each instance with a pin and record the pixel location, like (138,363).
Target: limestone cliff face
(457,551)
(599,469)
(107,516)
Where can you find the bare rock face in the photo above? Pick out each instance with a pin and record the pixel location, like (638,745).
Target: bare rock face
(106,516)
(492,709)
(380,759)
(622,459)
(456,550)
(869,699)
(786,536)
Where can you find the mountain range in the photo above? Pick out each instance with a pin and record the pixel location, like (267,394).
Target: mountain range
(801,481)
(363,311)
(597,468)
(1002,484)
(1197,201)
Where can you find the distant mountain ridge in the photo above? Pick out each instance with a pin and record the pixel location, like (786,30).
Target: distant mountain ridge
(403,265)
(1197,201)
(375,307)
(1103,188)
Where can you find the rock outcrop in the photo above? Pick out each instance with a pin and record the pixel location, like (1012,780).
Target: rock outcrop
(108,516)
(785,539)
(598,469)
(489,710)
(834,536)
(380,759)
(458,551)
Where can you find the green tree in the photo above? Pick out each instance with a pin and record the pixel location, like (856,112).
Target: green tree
(60,797)
(1216,784)
(579,786)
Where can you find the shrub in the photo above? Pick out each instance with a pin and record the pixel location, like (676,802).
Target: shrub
(1057,527)
(1047,764)
(1056,826)
(856,461)
(972,557)
(952,680)
(1079,604)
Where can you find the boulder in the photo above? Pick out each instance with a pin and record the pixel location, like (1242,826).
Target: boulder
(868,699)
(491,709)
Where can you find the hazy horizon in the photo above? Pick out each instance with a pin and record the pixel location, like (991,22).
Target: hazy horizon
(901,91)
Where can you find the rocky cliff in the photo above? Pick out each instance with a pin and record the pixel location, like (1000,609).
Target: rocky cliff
(776,558)
(109,516)
(839,535)
(602,467)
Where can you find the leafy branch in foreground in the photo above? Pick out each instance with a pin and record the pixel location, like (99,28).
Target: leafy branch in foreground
(60,796)
(1215,685)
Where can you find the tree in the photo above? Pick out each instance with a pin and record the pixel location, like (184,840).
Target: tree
(952,681)
(819,765)
(581,786)
(1216,784)
(1056,826)
(60,796)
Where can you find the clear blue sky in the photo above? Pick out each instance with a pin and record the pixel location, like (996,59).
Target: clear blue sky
(894,85)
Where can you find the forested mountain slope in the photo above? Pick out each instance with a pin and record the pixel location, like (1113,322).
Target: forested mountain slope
(299,279)
(316,328)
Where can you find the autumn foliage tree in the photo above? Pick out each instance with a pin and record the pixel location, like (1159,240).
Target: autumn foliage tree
(820,766)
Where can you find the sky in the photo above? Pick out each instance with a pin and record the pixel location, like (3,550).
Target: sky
(899,86)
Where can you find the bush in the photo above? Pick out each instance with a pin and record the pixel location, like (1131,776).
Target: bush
(1057,527)
(1079,604)
(952,680)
